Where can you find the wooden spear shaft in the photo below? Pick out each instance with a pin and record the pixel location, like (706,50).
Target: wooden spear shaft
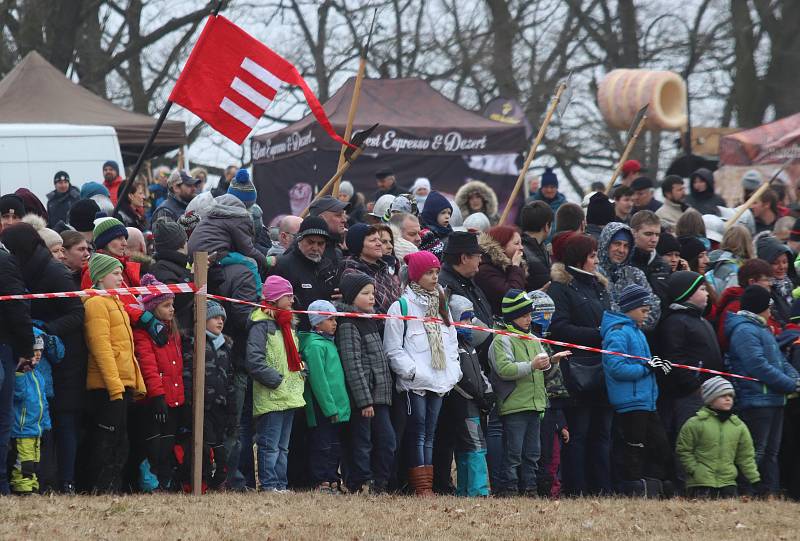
(532,152)
(334,179)
(351,116)
(625,153)
(746,205)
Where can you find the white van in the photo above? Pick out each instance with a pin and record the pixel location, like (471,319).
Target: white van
(31,155)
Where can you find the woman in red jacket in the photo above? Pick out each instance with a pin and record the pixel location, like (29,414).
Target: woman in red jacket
(161,361)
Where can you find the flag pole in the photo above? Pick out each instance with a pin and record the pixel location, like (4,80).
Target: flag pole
(149,144)
(351,115)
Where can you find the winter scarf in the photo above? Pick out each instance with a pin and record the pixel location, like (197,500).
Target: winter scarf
(433,330)
(217,340)
(284,320)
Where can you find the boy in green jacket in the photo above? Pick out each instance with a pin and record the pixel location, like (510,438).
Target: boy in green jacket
(715,445)
(327,403)
(518,367)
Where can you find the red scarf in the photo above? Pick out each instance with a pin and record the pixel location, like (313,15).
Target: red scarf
(284,321)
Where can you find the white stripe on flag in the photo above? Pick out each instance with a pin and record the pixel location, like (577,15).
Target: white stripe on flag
(238,113)
(250,93)
(262,74)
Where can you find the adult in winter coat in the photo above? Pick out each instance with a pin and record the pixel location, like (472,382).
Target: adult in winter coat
(502,265)
(62,318)
(60,200)
(476,196)
(646,228)
(702,196)
(182,189)
(131,211)
(170,267)
(779,256)
(614,253)
(548,191)
(754,352)
(111,238)
(366,256)
(580,296)
(536,221)
(424,358)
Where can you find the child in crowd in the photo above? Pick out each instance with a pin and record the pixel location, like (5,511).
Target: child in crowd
(273,362)
(633,391)
(471,397)
(366,370)
(113,377)
(554,431)
(435,220)
(31,420)
(219,402)
(160,358)
(715,445)
(327,404)
(518,369)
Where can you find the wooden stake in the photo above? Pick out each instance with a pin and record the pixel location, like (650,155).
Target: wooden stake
(625,153)
(746,205)
(334,179)
(199,372)
(532,152)
(351,116)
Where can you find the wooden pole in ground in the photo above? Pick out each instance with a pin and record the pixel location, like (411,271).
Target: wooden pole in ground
(199,371)
(532,151)
(625,154)
(351,116)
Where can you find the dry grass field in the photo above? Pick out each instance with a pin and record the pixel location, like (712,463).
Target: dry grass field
(318,517)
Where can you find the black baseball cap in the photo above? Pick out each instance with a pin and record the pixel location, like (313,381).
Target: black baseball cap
(327,203)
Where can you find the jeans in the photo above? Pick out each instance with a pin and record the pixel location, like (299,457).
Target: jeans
(7,367)
(233,446)
(273,432)
(325,450)
(586,466)
(522,450)
(423,414)
(372,446)
(66,427)
(766,427)
(494,448)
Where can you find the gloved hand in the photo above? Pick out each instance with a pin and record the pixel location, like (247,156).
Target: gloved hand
(159,406)
(157,330)
(487,403)
(656,363)
(53,347)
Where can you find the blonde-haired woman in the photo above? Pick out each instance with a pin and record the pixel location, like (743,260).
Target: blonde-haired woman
(736,248)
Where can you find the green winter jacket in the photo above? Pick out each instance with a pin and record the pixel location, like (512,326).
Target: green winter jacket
(711,451)
(518,387)
(325,385)
(265,349)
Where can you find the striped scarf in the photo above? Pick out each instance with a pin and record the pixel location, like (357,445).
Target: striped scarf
(433,330)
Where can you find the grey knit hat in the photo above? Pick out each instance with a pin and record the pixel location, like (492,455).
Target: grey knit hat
(214,309)
(168,235)
(715,387)
(319,306)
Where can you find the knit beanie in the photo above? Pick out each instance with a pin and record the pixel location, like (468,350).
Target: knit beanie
(214,309)
(682,284)
(751,180)
(276,287)
(112,164)
(50,237)
(61,175)
(715,387)
(11,202)
(477,221)
(434,204)
(351,285)
(459,305)
(600,210)
(667,243)
(151,300)
(168,236)
(90,189)
(419,263)
(633,296)
(82,214)
(107,229)
(769,248)
(319,306)
(346,187)
(691,247)
(243,188)
(355,238)
(755,299)
(549,178)
(516,303)
(101,265)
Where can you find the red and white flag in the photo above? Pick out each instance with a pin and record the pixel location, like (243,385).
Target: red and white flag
(231,78)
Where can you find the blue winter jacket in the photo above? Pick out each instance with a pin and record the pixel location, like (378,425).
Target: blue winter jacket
(31,415)
(754,352)
(630,383)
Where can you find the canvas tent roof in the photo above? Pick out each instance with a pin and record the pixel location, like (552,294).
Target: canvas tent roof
(414,119)
(771,143)
(36,92)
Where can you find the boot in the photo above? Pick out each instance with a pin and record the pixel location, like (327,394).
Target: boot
(421,480)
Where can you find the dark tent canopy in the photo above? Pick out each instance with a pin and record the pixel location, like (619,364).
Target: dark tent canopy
(36,92)
(421,134)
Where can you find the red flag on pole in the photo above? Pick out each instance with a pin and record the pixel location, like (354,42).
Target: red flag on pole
(231,78)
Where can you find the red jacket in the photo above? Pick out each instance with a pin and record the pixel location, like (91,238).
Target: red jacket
(161,366)
(731,302)
(113,187)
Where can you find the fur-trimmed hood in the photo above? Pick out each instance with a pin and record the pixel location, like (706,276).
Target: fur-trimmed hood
(492,252)
(486,193)
(560,274)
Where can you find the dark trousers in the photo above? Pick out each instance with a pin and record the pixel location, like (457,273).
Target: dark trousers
(674,413)
(66,427)
(766,427)
(7,367)
(160,447)
(713,493)
(644,448)
(790,449)
(109,440)
(246,473)
(587,457)
(494,448)
(448,430)
(324,450)
(233,442)
(371,448)
(522,445)
(547,474)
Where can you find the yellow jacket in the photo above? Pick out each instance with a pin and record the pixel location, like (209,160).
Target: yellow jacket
(112,364)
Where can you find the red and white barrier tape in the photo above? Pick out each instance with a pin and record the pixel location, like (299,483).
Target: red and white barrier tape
(191,288)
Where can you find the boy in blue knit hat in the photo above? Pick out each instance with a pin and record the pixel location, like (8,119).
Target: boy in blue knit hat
(243,188)
(633,391)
